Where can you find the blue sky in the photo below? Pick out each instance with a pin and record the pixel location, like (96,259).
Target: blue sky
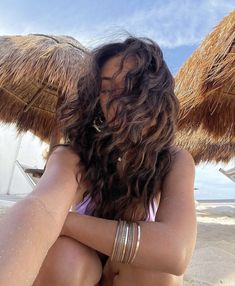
(177,26)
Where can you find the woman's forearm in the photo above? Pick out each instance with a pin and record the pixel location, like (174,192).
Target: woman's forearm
(157,249)
(27,231)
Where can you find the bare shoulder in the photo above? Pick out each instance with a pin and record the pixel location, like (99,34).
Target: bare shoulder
(181,157)
(64,149)
(182,169)
(181,176)
(64,157)
(64,152)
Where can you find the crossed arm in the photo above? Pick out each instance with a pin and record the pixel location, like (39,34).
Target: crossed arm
(166,245)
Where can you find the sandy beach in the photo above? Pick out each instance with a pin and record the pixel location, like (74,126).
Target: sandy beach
(213,261)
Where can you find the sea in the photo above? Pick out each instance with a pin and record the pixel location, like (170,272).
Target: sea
(211,184)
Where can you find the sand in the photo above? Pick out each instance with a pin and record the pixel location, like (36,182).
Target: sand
(213,261)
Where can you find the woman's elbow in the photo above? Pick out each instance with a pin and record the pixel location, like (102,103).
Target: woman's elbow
(179,268)
(174,261)
(183,259)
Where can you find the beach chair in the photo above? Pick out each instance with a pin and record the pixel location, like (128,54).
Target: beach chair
(32,175)
(229,173)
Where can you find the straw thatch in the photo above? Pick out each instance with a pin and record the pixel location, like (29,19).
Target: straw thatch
(205,148)
(205,85)
(36,73)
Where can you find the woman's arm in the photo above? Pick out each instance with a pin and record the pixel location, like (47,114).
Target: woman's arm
(27,232)
(32,225)
(60,183)
(166,245)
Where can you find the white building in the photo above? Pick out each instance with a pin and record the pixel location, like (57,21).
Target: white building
(27,149)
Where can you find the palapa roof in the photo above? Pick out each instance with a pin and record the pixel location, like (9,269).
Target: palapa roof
(36,72)
(206,148)
(205,85)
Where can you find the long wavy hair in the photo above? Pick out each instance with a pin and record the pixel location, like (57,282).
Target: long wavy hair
(148,96)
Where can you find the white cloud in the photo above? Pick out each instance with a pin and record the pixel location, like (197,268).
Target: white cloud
(175,23)
(171,23)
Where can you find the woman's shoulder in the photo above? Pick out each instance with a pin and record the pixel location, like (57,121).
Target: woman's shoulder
(182,168)
(181,160)
(63,156)
(65,152)
(181,154)
(63,148)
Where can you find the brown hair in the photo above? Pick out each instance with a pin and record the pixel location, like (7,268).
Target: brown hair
(148,95)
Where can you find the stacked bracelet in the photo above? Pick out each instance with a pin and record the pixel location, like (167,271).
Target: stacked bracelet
(126,243)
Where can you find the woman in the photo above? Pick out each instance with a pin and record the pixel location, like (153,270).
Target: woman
(133,220)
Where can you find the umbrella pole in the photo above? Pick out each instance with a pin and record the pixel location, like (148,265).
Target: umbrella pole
(54,139)
(56,135)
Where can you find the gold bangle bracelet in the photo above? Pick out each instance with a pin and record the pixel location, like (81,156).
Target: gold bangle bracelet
(117,254)
(122,245)
(120,241)
(133,242)
(115,241)
(128,243)
(125,242)
(137,243)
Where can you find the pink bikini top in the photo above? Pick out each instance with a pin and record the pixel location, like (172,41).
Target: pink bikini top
(81,208)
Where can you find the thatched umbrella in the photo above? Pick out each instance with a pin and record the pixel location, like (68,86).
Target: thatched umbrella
(37,72)
(205,85)
(205,148)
